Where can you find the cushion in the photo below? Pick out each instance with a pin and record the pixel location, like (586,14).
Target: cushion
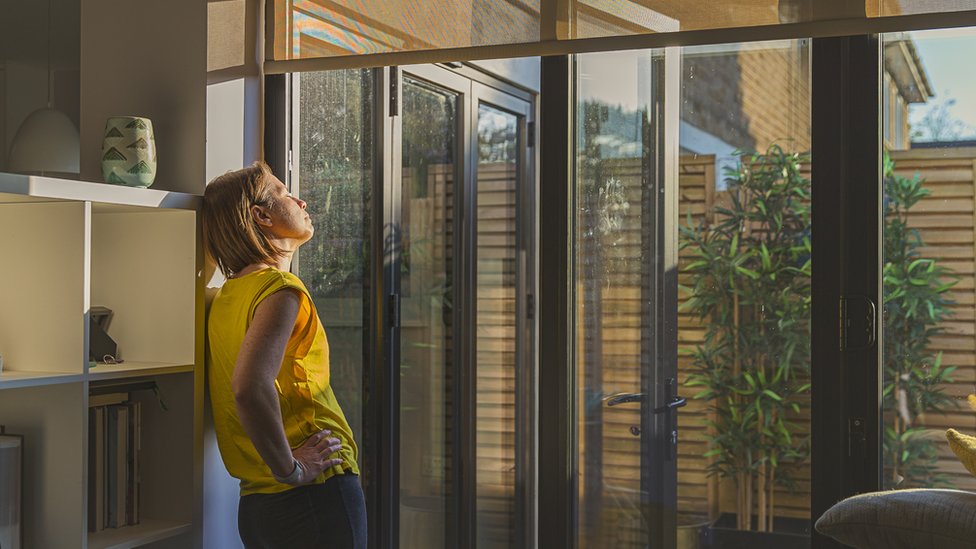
(921,518)
(964,446)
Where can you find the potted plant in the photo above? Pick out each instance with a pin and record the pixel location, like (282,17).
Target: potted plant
(750,288)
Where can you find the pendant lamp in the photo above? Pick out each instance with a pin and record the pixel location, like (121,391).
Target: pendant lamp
(47,142)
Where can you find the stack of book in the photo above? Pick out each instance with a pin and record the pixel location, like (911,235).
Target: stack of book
(113,455)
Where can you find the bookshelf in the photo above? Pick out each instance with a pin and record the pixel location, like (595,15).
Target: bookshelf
(76,245)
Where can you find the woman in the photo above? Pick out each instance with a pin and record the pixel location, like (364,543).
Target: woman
(278,425)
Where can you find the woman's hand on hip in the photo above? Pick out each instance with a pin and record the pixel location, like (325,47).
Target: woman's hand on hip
(315,455)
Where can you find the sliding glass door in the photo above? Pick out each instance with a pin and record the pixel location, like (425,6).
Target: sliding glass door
(462,284)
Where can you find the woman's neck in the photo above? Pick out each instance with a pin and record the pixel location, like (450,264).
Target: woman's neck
(283,264)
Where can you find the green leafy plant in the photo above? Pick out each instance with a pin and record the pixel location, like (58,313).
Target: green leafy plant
(915,305)
(750,288)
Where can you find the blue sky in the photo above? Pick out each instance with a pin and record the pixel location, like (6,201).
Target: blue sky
(947,56)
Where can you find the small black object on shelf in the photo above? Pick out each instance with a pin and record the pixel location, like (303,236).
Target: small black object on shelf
(100,344)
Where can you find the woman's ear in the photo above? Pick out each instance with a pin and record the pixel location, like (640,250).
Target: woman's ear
(261,215)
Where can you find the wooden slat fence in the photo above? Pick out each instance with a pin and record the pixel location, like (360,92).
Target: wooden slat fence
(946,220)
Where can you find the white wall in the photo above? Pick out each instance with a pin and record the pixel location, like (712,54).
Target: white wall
(23,56)
(234,110)
(156,67)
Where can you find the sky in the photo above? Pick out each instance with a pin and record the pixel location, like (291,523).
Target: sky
(947,56)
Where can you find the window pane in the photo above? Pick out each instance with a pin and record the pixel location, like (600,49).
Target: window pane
(612,112)
(427,365)
(744,305)
(335,178)
(595,18)
(497,252)
(327,28)
(929,354)
(744,302)
(882,8)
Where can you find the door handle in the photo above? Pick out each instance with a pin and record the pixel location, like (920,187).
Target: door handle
(671,408)
(623,398)
(675,402)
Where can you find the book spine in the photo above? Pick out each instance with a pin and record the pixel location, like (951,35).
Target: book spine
(132,479)
(111,468)
(99,469)
(92,479)
(122,480)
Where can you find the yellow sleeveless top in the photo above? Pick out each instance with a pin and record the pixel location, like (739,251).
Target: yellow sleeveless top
(308,404)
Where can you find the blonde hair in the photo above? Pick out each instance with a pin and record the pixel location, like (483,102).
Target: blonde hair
(231,236)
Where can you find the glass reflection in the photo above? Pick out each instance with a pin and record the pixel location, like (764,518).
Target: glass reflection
(335,178)
(427,364)
(929,357)
(497,179)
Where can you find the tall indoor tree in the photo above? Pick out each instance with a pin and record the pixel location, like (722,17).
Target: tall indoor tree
(750,288)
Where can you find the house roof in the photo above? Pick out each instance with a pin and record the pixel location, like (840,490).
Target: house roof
(906,69)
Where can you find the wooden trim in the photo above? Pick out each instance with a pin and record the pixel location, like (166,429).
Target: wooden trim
(831,28)
(935,153)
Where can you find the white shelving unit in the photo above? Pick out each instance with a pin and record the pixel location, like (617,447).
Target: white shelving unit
(67,246)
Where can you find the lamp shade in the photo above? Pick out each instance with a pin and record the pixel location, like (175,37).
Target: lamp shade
(46,143)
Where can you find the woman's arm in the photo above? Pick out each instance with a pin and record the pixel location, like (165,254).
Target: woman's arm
(253,383)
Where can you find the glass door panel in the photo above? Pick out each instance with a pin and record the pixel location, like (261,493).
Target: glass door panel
(457,271)
(429,172)
(627,400)
(334,158)
(498,178)
(929,356)
(744,305)
(739,325)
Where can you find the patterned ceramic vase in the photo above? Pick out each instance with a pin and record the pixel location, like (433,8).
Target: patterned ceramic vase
(129,151)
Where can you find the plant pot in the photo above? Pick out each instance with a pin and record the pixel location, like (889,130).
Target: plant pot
(129,151)
(691,531)
(791,533)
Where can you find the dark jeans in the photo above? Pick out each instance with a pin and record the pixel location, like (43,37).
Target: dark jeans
(331,515)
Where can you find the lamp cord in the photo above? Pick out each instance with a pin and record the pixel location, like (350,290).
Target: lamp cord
(49,105)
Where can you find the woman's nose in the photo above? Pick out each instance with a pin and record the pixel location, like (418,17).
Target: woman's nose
(301,203)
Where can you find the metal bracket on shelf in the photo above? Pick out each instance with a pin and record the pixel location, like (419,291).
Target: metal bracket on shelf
(115,386)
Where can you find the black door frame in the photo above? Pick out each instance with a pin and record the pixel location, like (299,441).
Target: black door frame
(846,404)
(846,145)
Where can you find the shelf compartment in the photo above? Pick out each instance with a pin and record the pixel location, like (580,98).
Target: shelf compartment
(42,305)
(135,369)
(166,464)
(147,531)
(143,268)
(18,380)
(54,460)
(19,188)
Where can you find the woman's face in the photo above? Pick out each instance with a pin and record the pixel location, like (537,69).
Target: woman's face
(288,219)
